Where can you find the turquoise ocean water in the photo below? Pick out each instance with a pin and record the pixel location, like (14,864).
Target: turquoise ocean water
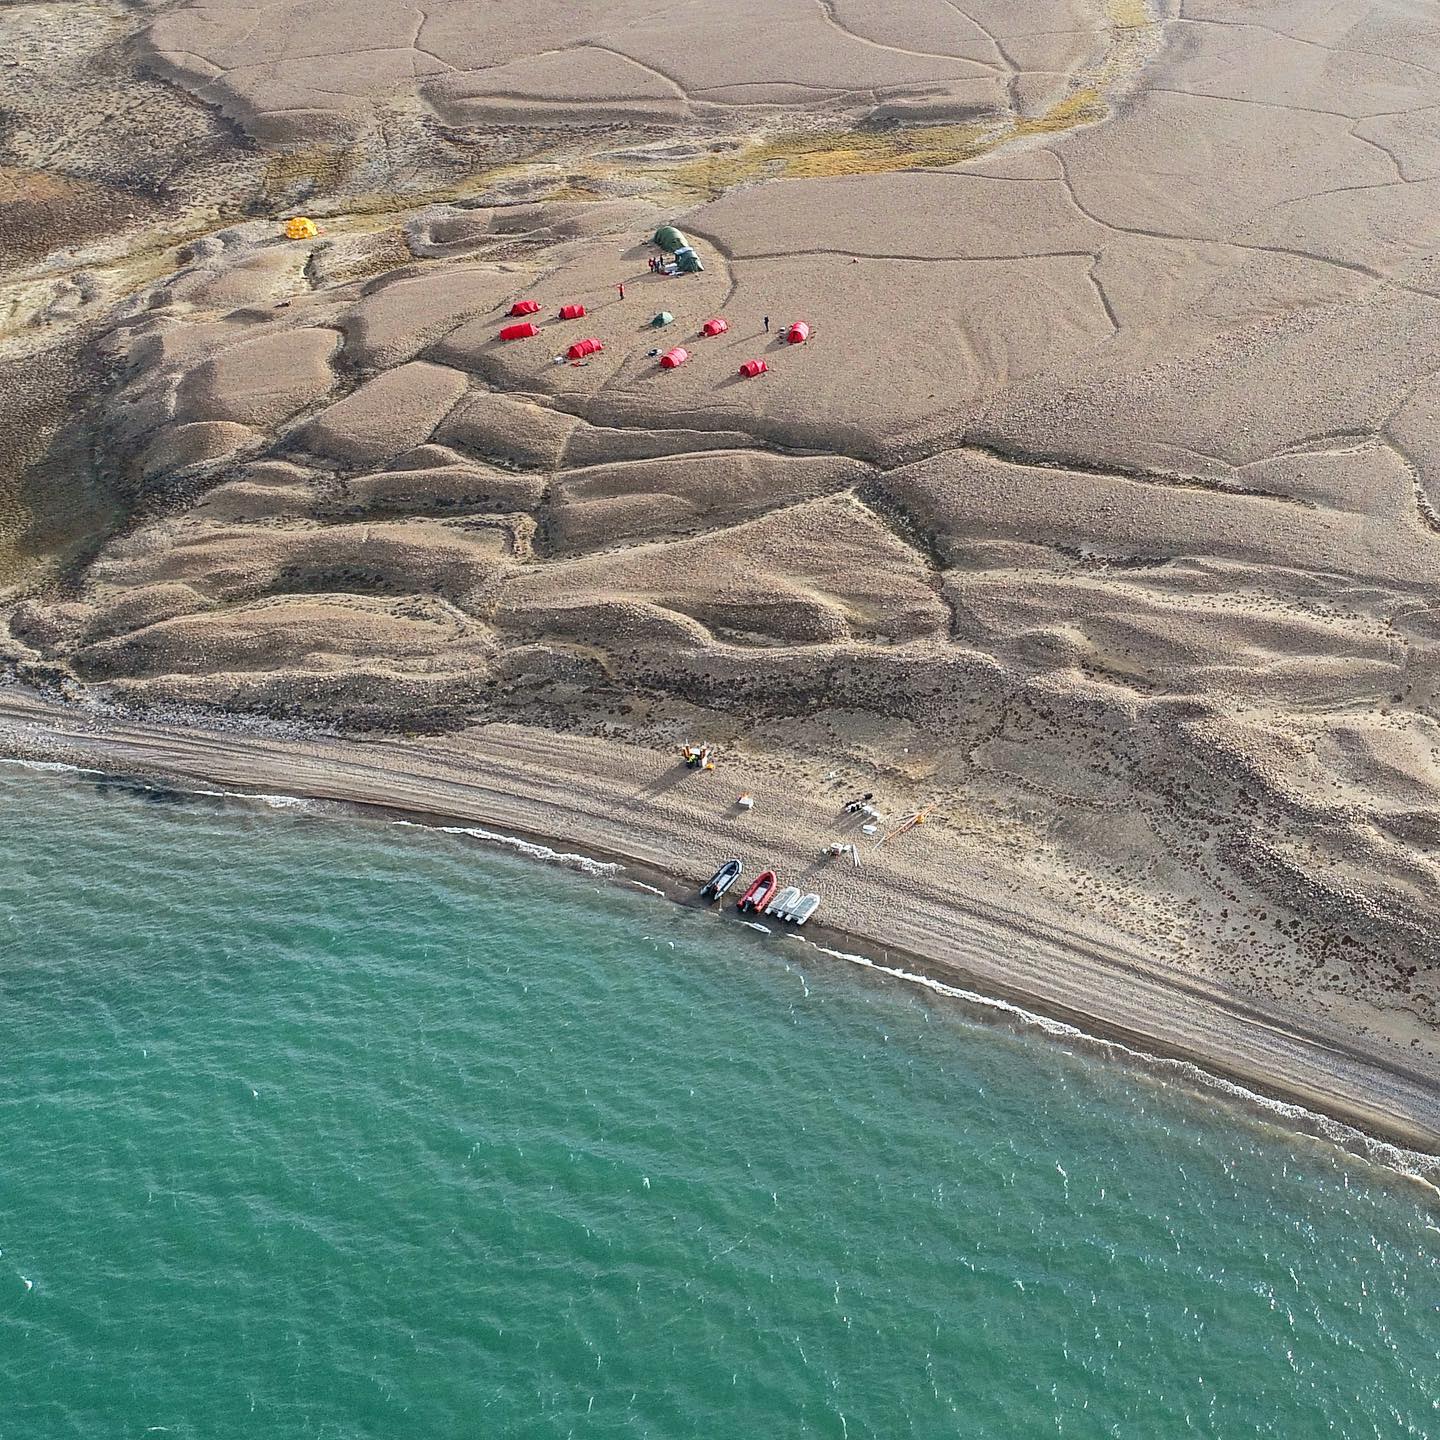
(319,1126)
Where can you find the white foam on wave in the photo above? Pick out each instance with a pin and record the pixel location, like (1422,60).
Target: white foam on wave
(641,885)
(1412,1164)
(53,766)
(275,802)
(585,864)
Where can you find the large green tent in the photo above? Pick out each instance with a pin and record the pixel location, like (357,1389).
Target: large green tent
(667,237)
(687,262)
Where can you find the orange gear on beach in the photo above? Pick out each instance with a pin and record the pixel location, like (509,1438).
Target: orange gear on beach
(299,228)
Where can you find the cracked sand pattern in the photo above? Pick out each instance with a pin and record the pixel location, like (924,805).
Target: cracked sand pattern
(296,71)
(1101,510)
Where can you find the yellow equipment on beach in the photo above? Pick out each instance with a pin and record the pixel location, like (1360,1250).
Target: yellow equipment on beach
(299,228)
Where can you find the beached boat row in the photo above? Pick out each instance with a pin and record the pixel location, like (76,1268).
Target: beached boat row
(764,897)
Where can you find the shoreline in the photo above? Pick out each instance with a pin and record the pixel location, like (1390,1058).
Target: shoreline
(892,915)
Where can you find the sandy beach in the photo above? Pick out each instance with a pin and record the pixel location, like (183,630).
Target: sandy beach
(915,904)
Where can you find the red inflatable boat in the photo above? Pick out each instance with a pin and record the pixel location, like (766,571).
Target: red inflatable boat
(760,894)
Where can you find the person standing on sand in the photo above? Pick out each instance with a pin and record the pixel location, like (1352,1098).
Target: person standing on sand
(767,324)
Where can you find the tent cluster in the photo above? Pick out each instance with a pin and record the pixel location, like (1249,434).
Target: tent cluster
(532,307)
(528,329)
(674,359)
(671,239)
(796,334)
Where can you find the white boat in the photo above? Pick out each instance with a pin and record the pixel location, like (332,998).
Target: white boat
(782,902)
(803,909)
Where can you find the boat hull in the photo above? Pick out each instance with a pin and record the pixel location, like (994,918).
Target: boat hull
(760,894)
(721,880)
(779,907)
(803,908)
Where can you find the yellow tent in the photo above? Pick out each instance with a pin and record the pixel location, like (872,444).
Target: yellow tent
(299,228)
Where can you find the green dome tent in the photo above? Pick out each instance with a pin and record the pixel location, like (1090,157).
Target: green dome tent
(663,318)
(687,262)
(667,237)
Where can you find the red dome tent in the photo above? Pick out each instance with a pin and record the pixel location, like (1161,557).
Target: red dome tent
(717,326)
(525,307)
(751,368)
(798,333)
(674,359)
(519,332)
(581,348)
(572,312)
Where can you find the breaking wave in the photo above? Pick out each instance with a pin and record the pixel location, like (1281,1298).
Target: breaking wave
(570,860)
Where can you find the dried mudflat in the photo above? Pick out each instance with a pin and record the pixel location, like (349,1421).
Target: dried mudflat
(1099,513)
